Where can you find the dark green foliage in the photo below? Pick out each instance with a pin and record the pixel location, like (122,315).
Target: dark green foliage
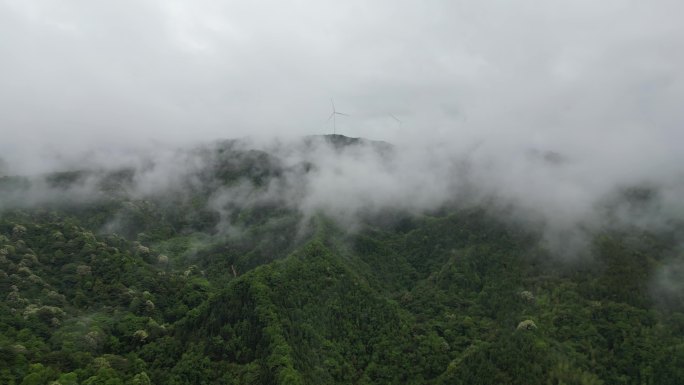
(445,299)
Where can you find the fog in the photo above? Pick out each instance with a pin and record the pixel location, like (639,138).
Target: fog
(539,110)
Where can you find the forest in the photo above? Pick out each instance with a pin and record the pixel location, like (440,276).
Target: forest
(124,288)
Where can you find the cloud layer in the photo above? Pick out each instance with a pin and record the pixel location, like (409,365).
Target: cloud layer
(549,107)
(576,76)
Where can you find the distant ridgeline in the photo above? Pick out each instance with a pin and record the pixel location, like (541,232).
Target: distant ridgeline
(203,280)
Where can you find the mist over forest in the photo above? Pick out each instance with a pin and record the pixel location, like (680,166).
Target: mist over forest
(348,178)
(305,193)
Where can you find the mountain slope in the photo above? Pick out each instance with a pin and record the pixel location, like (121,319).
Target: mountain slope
(214,279)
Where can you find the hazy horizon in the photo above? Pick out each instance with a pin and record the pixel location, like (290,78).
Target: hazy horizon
(580,78)
(547,107)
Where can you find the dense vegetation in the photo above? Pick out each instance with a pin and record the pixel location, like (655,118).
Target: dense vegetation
(122,290)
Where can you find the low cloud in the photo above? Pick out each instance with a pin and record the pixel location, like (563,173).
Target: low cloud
(545,113)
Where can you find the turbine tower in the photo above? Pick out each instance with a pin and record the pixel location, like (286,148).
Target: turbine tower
(333,116)
(397,119)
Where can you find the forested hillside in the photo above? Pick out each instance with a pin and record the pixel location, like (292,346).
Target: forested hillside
(180,285)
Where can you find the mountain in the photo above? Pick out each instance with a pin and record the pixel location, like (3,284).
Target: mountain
(212,268)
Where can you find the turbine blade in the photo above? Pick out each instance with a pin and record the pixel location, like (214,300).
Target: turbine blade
(340,113)
(333,105)
(395,118)
(331,116)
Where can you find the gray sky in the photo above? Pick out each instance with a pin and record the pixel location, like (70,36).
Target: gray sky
(585,74)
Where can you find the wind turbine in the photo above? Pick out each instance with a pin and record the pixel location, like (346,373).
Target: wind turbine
(397,119)
(333,116)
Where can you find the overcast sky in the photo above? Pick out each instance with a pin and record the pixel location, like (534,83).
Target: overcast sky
(585,78)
